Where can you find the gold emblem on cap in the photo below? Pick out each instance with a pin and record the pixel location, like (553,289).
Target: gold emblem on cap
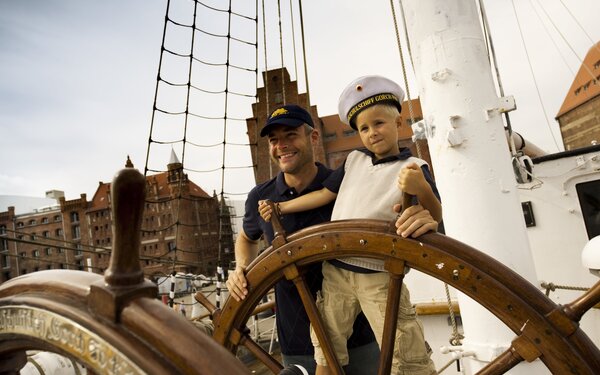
(279,112)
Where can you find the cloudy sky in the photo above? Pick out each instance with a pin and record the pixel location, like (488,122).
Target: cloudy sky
(77,78)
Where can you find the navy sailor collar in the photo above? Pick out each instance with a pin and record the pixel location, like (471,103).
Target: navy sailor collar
(402,155)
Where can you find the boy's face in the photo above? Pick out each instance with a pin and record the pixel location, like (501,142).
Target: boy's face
(378,130)
(291,148)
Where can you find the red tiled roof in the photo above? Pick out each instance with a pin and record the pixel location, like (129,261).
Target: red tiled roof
(585,86)
(100,200)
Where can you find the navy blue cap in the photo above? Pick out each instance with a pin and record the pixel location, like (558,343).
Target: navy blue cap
(289,115)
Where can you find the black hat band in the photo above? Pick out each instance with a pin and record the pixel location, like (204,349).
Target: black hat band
(375,99)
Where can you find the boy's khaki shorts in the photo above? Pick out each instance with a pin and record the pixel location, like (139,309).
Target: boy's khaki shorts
(345,293)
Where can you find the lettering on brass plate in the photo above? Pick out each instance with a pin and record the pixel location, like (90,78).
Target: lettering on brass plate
(67,335)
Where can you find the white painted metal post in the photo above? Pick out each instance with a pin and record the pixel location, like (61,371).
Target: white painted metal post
(470,155)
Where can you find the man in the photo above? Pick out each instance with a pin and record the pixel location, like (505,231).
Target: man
(291,136)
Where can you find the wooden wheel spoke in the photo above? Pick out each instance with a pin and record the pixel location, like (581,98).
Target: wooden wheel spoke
(390,324)
(501,364)
(521,349)
(258,351)
(292,273)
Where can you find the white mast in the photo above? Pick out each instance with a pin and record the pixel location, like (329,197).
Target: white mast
(462,115)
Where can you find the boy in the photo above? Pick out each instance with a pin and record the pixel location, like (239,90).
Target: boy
(360,188)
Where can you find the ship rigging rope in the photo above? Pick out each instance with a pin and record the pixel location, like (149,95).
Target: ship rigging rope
(551,287)
(304,54)
(281,52)
(399,44)
(456,338)
(404,75)
(562,56)
(294,45)
(533,75)
(266,83)
(197,92)
(566,42)
(594,44)
(492,53)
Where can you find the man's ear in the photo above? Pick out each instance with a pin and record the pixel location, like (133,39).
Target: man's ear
(314,136)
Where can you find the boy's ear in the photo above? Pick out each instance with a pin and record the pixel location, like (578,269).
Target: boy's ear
(398,120)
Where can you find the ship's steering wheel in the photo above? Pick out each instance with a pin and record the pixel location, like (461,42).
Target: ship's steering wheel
(114,324)
(543,329)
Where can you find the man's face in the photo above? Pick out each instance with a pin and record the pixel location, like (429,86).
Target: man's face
(291,148)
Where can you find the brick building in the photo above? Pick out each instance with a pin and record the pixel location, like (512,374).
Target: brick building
(336,138)
(51,237)
(183,229)
(579,115)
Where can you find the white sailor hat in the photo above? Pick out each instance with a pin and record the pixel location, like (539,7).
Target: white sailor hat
(366,91)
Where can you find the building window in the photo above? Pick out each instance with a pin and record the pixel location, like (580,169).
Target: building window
(3,244)
(278,98)
(61,250)
(57,218)
(22,255)
(45,234)
(2,230)
(74,217)
(5,261)
(36,253)
(48,251)
(32,222)
(32,236)
(330,136)
(171,246)
(76,232)
(44,220)
(20,224)
(58,232)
